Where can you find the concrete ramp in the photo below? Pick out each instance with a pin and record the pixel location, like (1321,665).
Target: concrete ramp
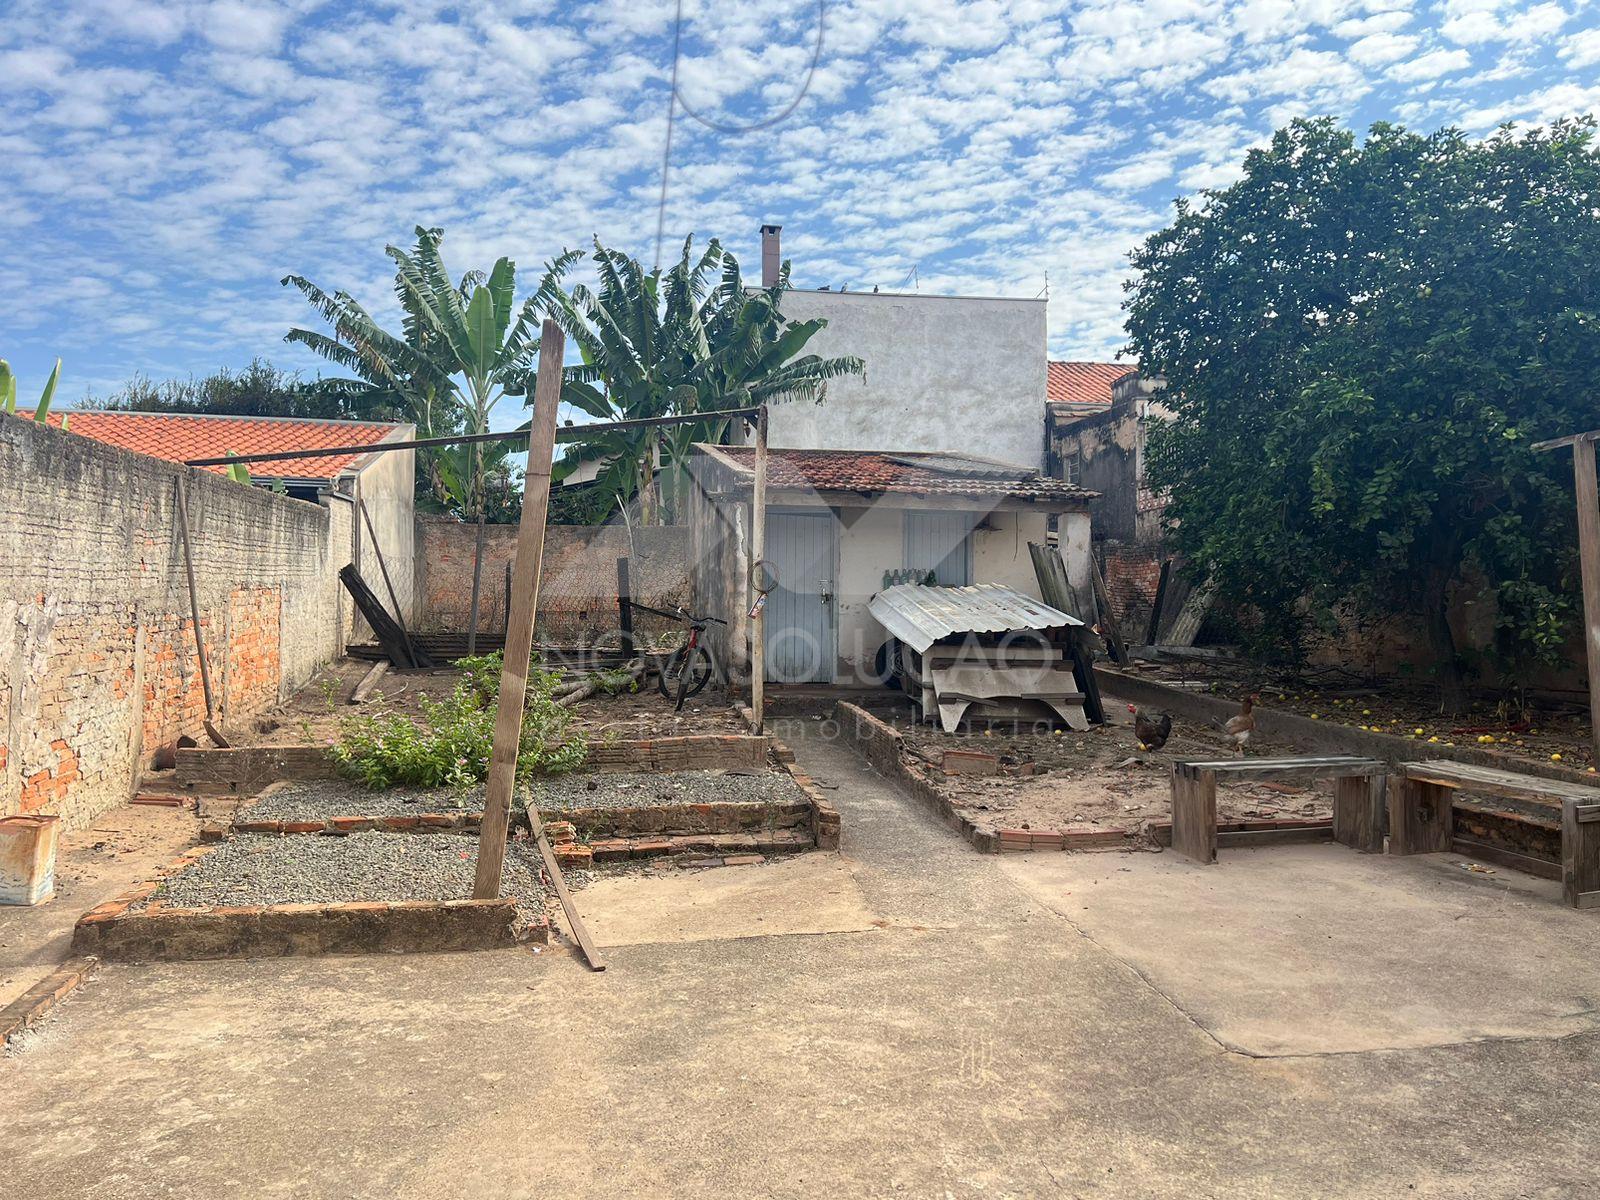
(808,893)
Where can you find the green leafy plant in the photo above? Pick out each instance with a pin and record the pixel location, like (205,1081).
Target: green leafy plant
(692,338)
(41,411)
(451,743)
(463,346)
(237,472)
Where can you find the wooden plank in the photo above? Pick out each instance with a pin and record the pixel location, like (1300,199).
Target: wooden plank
(1358,812)
(1421,820)
(1108,617)
(1502,857)
(1498,782)
(1186,626)
(194,612)
(1580,858)
(383,568)
(363,689)
(1153,630)
(1588,493)
(758,555)
(1292,768)
(1083,668)
(1194,814)
(625,607)
(1570,440)
(524,609)
(580,931)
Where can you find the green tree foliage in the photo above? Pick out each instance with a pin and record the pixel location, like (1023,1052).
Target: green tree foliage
(1361,341)
(463,347)
(690,339)
(259,390)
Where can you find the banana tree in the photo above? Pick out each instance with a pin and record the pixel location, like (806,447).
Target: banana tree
(690,339)
(463,347)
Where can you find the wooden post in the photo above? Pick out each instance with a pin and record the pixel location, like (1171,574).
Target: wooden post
(625,607)
(758,554)
(524,608)
(1580,853)
(1583,476)
(194,614)
(1194,812)
(1358,812)
(1421,816)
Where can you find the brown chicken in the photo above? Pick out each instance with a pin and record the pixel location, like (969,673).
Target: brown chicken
(1151,732)
(1239,728)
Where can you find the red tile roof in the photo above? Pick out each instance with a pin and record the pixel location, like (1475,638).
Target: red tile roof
(178,437)
(874,471)
(1082,382)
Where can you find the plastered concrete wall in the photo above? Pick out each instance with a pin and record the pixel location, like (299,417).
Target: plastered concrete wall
(578,579)
(97,652)
(942,373)
(870,540)
(388,489)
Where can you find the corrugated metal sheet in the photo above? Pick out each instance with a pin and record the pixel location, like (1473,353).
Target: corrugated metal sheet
(919,615)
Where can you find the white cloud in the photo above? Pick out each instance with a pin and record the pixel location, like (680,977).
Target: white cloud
(190,153)
(1582,49)
(1431,65)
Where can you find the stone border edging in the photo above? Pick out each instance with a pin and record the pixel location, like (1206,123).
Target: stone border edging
(1324,735)
(245,770)
(28,1009)
(157,933)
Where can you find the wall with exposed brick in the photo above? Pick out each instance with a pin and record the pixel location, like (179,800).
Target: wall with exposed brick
(98,664)
(578,580)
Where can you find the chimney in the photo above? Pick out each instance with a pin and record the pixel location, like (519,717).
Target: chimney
(771,260)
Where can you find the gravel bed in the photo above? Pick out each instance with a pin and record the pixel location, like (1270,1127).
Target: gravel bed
(628,789)
(311,800)
(317,799)
(254,869)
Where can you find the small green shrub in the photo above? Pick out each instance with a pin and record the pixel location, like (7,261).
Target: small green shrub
(451,744)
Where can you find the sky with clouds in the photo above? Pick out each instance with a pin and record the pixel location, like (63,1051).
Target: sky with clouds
(166,163)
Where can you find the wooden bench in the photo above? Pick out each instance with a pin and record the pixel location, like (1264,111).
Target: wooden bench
(1357,801)
(1421,820)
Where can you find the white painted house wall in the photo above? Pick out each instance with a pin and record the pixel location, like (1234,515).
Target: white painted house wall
(872,540)
(943,373)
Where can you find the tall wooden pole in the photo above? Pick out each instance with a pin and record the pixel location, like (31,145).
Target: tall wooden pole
(1583,476)
(524,607)
(758,554)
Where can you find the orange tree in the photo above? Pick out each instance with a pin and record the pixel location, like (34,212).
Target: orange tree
(1361,341)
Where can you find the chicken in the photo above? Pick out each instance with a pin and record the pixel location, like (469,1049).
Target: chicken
(1151,732)
(1239,728)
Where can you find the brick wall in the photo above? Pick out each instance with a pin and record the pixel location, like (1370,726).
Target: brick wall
(98,665)
(1132,574)
(578,583)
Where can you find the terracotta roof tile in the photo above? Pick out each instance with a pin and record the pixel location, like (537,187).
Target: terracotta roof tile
(1083,382)
(178,437)
(873,471)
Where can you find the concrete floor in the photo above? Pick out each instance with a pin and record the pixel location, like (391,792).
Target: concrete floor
(985,1034)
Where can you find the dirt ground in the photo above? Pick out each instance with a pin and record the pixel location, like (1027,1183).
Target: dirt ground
(1547,729)
(313,713)
(125,845)
(1099,777)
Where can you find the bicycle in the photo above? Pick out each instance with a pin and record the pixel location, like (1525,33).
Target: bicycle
(689,668)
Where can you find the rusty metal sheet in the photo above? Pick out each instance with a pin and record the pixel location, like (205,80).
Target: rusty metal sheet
(920,615)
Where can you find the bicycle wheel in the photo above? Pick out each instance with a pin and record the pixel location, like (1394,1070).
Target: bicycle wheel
(685,674)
